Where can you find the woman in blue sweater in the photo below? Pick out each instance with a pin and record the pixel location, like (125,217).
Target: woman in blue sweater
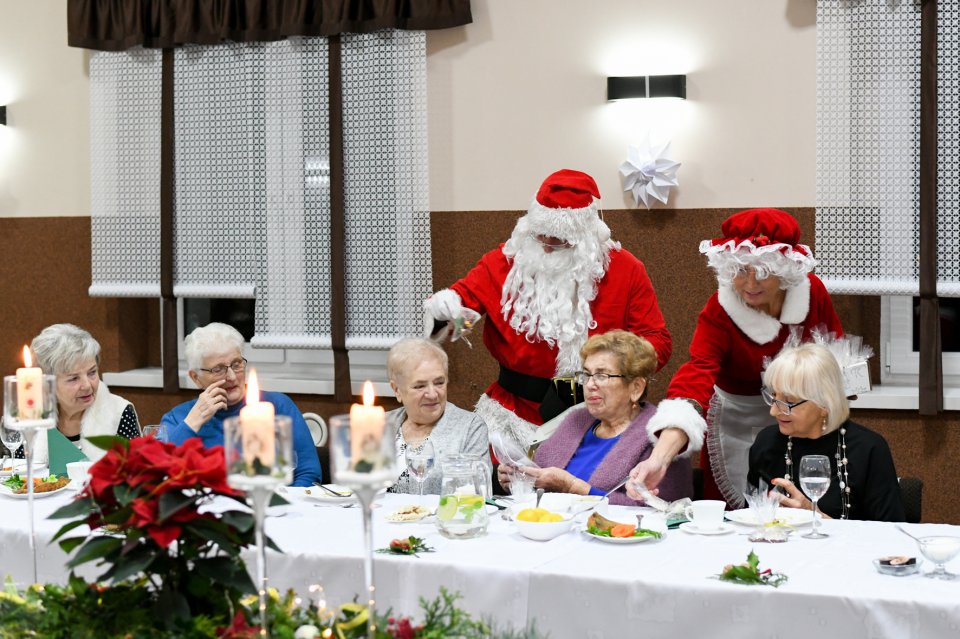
(219,370)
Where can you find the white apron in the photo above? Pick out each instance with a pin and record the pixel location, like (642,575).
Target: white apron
(733,423)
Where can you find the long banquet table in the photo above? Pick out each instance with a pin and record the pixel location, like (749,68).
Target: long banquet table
(574,586)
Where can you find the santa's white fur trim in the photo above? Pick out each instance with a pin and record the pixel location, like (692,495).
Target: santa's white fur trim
(760,327)
(678,413)
(805,259)
(796,305)
(567,224)
(499,419)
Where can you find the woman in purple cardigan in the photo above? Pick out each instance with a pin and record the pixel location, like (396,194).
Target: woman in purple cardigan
(595,447)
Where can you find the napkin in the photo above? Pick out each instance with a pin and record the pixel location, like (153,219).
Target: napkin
(62,452)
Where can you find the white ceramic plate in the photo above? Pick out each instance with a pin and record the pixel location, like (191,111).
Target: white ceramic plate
(6,492)
(690,527)
(19,467)
(791,516)
(420,516)
(619,540)
(317,494)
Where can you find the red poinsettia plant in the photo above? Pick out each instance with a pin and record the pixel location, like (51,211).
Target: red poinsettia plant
(143,506)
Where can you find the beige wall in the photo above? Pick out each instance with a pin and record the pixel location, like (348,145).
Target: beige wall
(522,92)
(44,149)
(513,96)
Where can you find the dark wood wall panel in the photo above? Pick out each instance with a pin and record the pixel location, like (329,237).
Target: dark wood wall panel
(47,273)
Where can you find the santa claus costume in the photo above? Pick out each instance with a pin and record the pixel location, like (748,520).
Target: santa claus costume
(733,340)
(559,279)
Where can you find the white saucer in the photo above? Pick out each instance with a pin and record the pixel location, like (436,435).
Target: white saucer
(689,527)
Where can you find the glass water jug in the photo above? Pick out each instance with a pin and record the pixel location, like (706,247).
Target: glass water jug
(462,513)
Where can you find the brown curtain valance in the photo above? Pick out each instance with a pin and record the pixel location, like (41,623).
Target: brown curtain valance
(116,25)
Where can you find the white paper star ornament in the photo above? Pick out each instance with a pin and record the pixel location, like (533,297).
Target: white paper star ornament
(649,173)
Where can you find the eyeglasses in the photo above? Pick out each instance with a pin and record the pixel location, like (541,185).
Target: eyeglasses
(237,366)
(600,378)
(785,408)
(554,243)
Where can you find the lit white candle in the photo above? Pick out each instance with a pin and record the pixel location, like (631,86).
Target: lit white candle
(366,427)
(29,389)
(257,426)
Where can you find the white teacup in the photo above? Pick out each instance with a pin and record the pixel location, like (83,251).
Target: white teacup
(706,514)
(79,473)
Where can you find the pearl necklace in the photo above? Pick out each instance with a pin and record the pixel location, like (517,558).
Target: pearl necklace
(843,474)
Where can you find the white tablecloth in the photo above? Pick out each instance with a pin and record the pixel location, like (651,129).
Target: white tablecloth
(577,587)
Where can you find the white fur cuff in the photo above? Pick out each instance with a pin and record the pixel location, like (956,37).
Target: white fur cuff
(499,419)
(678,413)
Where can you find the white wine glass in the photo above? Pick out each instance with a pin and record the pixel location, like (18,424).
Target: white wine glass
(814,482)
(420,460)
(11,439)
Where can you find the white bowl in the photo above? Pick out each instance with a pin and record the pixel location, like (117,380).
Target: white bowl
(544,530)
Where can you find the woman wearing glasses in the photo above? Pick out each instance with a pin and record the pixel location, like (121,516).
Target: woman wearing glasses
(595,447)
(804,388)
(219,370)
(766,291)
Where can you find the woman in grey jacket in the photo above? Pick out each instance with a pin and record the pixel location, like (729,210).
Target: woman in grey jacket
(418,374)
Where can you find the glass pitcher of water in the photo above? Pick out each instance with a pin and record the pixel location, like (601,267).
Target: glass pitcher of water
(462,513)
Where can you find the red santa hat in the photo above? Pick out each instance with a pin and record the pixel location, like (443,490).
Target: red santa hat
(761,231)
(566,204)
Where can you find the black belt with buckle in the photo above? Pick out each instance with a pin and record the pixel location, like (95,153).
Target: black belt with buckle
(554,395)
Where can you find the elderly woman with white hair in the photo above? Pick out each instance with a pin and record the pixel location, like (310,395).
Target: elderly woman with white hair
(766,292)
(85,406)
(218,368)
(419,375)
(804,388)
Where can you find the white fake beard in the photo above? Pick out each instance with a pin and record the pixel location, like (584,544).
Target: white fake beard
(547,296)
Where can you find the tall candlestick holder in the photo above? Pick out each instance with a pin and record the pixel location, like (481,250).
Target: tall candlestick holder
(30,412)
(363,460)
(259,460)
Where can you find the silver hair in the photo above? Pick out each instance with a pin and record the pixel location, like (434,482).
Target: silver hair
(203,340)
(810,371)
(60,347)
(727,264)
(411,351)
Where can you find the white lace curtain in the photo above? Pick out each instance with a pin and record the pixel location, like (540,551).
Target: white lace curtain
(868,138)
(252,182)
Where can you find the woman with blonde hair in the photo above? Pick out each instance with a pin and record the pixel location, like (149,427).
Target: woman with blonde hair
(804,388)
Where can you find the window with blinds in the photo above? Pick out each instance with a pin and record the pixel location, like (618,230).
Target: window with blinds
(252,184)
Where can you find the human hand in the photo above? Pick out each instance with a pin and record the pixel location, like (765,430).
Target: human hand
(650,472)
(444,305)
(557,480)
(794,497)
(211,399)
(505,475)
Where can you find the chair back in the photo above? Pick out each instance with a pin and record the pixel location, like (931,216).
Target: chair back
(911,494)
(318,429)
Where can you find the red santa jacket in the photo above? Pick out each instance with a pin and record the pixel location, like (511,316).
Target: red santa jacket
(729,351)
(625,300)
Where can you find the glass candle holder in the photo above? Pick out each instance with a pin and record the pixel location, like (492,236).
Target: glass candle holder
(363,457)
(259,459)
(30,406)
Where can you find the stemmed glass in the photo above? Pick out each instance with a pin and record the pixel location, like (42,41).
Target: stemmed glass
(420,461)
(940,549)
(363,459)
(157,431)
(814,481)
(259,460)
(11,440)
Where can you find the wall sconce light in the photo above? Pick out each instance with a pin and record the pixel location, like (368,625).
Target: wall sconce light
(646,86)
(3,115)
